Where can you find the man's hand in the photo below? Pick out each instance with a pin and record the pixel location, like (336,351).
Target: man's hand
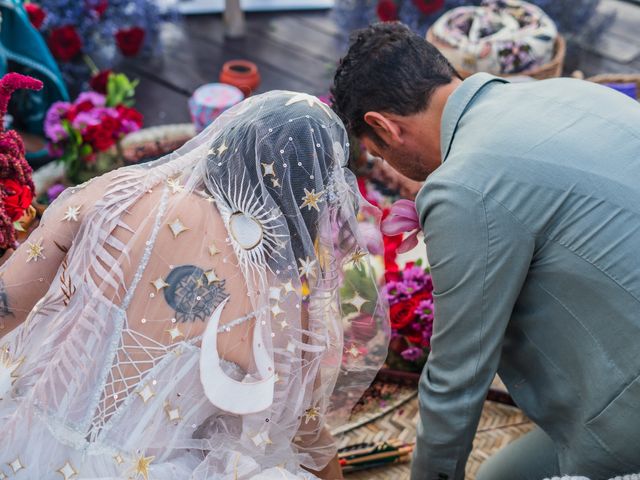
(396,181)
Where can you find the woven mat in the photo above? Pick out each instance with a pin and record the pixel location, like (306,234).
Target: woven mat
(499,425)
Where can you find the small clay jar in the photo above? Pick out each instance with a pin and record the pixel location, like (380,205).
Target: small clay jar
(241,74)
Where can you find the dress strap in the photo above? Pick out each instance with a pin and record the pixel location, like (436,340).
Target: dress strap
(239,321)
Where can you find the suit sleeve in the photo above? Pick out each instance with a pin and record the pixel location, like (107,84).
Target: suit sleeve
(479,255)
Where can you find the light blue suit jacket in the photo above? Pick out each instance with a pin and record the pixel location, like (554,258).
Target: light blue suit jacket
(532,227)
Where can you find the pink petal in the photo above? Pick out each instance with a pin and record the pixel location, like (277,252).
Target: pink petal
(409,243)
(393,225)
(404,208)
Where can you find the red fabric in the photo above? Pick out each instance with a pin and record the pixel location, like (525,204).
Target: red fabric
(130,40)
(65,43)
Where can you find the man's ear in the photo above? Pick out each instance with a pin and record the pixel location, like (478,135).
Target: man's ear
(385,127)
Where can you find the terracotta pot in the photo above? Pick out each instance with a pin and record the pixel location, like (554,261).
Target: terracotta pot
(241,74)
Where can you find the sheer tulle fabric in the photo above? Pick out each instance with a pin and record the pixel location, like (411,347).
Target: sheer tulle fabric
(207,315)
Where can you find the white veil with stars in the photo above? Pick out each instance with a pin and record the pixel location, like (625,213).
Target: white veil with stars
(204,316)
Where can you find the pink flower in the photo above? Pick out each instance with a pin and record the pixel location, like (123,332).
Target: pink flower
(403,218)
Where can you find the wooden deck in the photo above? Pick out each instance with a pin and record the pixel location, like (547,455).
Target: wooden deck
(299,50)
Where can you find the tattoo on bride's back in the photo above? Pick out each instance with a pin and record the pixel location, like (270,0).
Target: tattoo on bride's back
(193,293)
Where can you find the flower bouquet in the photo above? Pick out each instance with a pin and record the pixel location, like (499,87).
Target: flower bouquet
(16,185)
(85,135)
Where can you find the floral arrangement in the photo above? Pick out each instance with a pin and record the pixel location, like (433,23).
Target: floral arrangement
(16,186)
(99,29)
(85,134)
(573,17)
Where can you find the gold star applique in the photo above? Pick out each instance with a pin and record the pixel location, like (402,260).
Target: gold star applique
(275,182)
(288,287)
(177,227)
(261,439)
(146,393)
(16,465)
(268,169)
(276,310)
(276,378)
(175,185)
(307,267)
(119,460)
(173,414)
(353,351)
(357,256)
(72,213)
(35,251)
(159,284)
(311,414)
(291,347)
(213,250)
(311,199)
(67,471)
(274,293)
(141,466)
(311,101)
(174,332)
(222,148)
(357,301)
(211,277)
(284,324)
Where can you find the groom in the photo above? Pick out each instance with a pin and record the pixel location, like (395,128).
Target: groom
(531,216)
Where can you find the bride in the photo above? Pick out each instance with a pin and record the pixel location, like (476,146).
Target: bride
(205,316)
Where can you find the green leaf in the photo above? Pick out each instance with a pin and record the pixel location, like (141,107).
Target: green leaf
(18,226)
(120,90)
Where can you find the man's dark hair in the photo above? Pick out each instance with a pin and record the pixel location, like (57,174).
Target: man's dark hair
(389,69)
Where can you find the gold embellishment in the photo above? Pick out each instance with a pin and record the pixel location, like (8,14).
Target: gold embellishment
(173,414)
(357,302)
(268,169)
(16,465)
(353,351)
(35,251)
(275,182)
(146,393)
(66,285)
(311,199)
(175,185)
(284,324)
(177,227)
(141,466)
(291,347)
(358,256)
(307,267)
(8,367)
(274,293)
(119,460)
(67,471)
(159,284)
(276,310)
(288,287)
(222,148)
(211,277)
(311,101)
(175,333)
(72,213)
(213,250)
(311,414)
(261,438)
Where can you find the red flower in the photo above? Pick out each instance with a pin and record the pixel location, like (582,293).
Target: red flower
(387,11)
(427,7)
(98,82)
(75,109)
(100,6)
(102,136)
(17,198)
(403,313)
(130,40)
(65,43)
(127,114)
(36,14)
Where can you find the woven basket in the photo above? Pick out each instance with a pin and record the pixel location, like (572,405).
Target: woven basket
(551,69)
(618,78)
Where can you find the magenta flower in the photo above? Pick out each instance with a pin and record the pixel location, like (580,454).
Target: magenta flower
(412,354)
(403,218)
(53,128)
(96,99)
(55,190)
